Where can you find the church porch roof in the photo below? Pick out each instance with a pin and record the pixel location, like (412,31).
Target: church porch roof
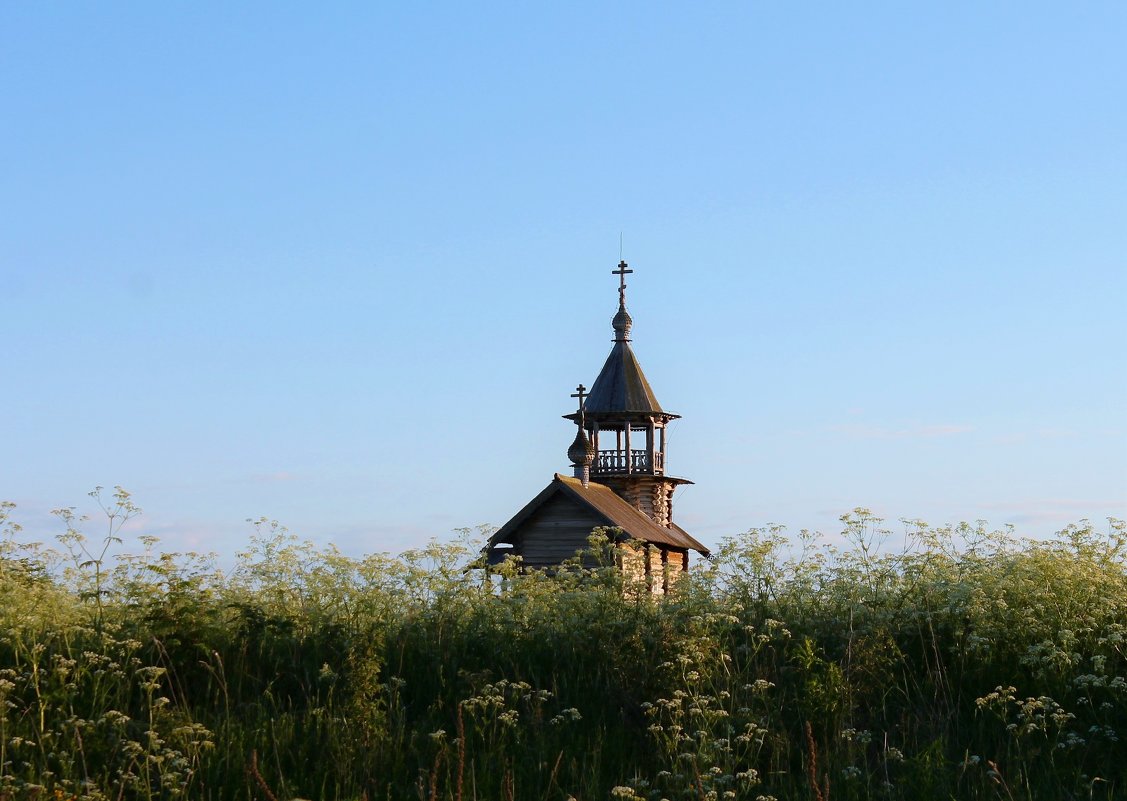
(611,507)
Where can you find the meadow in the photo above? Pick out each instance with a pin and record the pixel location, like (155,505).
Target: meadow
(969,664)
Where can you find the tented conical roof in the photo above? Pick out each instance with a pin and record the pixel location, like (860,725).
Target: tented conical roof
(621,385)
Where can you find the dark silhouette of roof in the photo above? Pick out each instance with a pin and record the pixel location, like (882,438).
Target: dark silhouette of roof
(608,505)
(621,385)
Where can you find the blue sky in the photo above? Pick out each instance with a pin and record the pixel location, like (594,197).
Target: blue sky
(342,266)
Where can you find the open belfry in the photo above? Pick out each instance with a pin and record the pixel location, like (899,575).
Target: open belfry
(618,479)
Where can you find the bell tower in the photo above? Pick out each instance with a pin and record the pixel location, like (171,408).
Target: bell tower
(626,426)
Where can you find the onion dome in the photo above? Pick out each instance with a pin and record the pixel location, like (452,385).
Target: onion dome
(582,452)
(621,323)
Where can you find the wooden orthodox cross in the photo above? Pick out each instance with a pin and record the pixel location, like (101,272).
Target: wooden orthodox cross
(581,393)
(621,272)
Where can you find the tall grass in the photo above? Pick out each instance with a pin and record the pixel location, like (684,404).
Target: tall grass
(970,665)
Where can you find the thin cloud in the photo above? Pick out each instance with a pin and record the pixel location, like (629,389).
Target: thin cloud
(1055,504)
(1022,437)
(1055,511)
(280,477)
(926,431)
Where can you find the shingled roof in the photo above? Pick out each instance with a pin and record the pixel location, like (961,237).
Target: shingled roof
(621,385)
(615,511)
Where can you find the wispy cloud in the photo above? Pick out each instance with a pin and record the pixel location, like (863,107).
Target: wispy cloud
(279,477)
(1052,503)
(921,431)
(1021,437)
(1055,511)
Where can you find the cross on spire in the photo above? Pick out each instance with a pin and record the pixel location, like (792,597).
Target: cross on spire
(581,393)
(621,272)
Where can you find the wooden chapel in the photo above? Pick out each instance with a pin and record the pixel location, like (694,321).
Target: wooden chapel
(618,477)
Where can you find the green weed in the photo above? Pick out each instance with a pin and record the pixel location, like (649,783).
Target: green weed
(970,664)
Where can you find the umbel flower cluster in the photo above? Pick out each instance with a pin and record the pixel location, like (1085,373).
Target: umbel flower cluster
(967,663)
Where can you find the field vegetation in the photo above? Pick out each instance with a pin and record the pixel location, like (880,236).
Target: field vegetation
(970,665)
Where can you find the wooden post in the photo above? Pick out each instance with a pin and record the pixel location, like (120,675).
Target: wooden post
(650,446)
(629,461)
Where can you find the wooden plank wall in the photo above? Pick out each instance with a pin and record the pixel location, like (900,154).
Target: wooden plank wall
(555,531)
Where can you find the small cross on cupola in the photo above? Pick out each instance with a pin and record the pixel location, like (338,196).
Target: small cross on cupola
(622,320)
(581,393)
(622,271)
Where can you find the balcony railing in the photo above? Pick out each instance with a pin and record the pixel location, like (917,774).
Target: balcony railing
(621,462)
